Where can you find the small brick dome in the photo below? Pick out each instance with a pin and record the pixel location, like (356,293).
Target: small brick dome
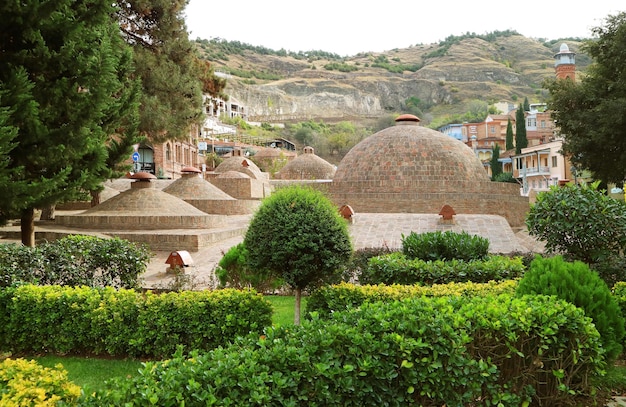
(307,166)
(399,158)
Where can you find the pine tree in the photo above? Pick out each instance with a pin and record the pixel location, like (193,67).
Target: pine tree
(509,135)
(173,77)
(520,130)
(64,85)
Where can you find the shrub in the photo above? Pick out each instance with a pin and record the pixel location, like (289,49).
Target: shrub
(83,320)
(446,245)
(419,351)
(233,271)
(74,261)
(329,299)
(25,383)
(359,259)
(396,268)
(577,284)
(579,222)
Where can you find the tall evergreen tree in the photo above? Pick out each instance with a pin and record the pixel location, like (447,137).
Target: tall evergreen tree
(526,105)
(521,141)
(591,113)
(509,136)
(496,166)
(63,79)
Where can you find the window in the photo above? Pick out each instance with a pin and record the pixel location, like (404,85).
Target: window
(543,124)
(554,162)
(168,152)
(492,129)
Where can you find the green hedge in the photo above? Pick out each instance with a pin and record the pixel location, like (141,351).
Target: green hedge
(397,268)
(343,296)
(74,261)
(454,351)
(82,320)
(448,245)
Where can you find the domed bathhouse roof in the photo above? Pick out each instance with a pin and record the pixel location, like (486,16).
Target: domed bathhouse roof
(307,166)
(407,168)
(197,191)
(240,164)
(141,208)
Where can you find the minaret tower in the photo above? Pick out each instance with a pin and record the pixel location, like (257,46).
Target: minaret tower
(565,64)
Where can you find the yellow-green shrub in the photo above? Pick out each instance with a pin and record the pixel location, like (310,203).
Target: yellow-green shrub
(345,295)
(55,319)
(26,383)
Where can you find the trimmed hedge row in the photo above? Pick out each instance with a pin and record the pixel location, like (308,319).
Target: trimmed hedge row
(456,351)
(397,268)
(83,320)
(343,296)
(74,261)
(26,383)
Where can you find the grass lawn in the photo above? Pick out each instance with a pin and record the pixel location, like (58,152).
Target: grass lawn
(284,308)
(91,373)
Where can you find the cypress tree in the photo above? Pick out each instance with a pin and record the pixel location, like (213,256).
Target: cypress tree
(496,167)
(509,135)
(520,130)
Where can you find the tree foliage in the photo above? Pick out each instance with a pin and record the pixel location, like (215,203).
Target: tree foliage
(521,140)
(65,81)
(509,135)
(591,113)
(172,75)
(579,221)
(298,234)
(496,166)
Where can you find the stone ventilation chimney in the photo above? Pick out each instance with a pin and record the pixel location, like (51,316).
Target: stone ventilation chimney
(407,120)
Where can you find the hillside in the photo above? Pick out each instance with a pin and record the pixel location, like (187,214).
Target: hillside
(442,78)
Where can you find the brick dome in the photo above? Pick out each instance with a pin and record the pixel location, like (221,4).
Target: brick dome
(405,157)
(411,169)
(307,166)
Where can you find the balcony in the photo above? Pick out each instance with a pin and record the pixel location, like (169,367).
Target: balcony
(531,171)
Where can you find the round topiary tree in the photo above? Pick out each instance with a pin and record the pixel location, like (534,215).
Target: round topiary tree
(298,234)
(577,284)
(579,222)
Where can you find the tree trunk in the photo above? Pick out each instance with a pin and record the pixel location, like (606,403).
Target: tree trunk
(296,315)
(27,227)
(95,198)
(47,213)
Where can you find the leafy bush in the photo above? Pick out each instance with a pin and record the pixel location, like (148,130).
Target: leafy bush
(74,261)
(577,284)
(359,259)
(329,299)
(233,271)
(579,222)
(420,351)
(396,268)
(446,245)
(25,383)
(60,320)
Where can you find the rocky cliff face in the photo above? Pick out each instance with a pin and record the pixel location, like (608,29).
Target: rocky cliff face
(505,69)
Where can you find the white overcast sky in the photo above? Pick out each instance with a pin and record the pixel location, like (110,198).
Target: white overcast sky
(349,27)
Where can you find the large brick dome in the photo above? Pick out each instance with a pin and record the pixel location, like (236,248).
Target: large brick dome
(411,169)
(401,158)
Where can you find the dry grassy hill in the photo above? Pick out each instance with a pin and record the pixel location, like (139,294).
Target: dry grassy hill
(443,77)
